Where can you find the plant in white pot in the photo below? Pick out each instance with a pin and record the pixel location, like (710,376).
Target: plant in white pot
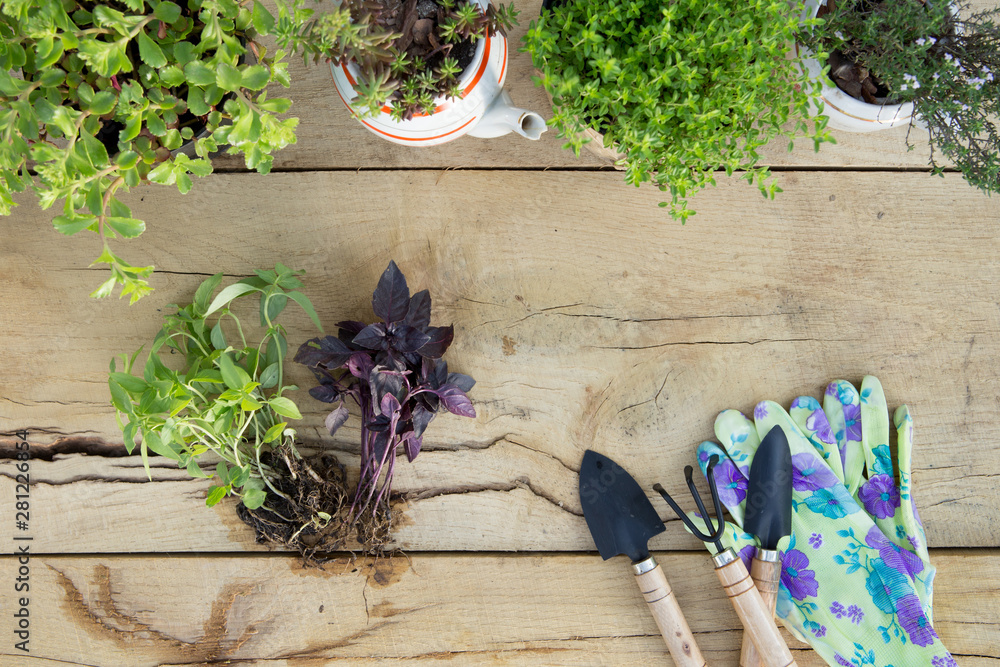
(917,62)
(415,72)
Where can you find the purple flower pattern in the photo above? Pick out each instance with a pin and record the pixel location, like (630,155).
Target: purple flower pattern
(731,482)
(760,411)
(944,661)
(880,496)
(809,473)
(818,424)
(897,558)
(820,631)
(852,422)
(912,618)
(816,540)
(855,614)
(841,661)
(800,581)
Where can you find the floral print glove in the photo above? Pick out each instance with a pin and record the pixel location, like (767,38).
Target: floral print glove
(846,589)
(857,426)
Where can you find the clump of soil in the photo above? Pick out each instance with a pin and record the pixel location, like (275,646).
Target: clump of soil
(849,76)
(311,486)
(418,21)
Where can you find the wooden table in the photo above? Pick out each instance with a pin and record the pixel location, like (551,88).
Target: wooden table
(589,318)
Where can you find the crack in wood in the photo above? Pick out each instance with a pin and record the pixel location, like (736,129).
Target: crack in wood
(502,487)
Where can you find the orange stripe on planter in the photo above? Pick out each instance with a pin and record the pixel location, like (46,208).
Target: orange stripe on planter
(503,62)
(437,136)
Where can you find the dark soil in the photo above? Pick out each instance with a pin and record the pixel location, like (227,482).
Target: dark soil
(313,485)
(851,77)
(418,21)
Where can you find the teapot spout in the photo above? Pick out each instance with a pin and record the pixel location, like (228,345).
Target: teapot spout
(502,117)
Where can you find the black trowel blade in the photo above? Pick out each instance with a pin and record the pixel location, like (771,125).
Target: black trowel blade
(619,515)
(769,492)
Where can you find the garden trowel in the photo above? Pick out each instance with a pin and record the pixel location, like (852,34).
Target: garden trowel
(769,518)
(621,520)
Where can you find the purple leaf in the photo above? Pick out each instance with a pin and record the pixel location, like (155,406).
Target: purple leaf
(421,418)
(463,382)
(434,372)
(336,419)
(391,299)
(419,313)
(328,351)
(372,337)
(379,424)
(412,446)
(404,338)
(324,392)
(360,365)
(441,338)
(383,383)
(351,327)
(456,401)
(389,405)
(381,442)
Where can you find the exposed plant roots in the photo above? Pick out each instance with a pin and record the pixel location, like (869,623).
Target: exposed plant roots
(295,520)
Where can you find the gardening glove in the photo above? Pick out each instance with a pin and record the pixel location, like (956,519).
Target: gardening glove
(857,426)
(845,589)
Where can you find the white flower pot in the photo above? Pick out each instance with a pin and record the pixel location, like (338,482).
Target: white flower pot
(484,111)
(845,112)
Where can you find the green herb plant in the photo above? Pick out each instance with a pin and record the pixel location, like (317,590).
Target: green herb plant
(684,89)
(97,97)
(948,67)
(406,52)
(228,397)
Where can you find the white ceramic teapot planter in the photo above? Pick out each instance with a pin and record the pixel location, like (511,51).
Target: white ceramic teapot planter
(484,111)
(845,112)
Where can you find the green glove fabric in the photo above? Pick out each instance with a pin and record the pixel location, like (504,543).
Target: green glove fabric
(862,439)
(846,589)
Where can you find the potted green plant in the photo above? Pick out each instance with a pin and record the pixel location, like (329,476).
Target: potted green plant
(678,91)
(415,72)
(915,61)
(96,98)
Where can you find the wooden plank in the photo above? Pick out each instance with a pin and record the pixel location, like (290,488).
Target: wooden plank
(425,609)
(328,138)
(588,318)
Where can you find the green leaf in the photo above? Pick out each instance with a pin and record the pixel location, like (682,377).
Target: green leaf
(120,398)
(303,300)
(93,150)
(222,470)
(150,51)
(167,12)
(269,377)
(205,290)
(249,404)
(228,77)
(275,432)
(263,21)
(171,75)
(218,338)
(129,382)
(127,159)
(276,105)
(253,498)
(285,407)
(255,77)
(228,294)
(234,376)
(103,103)
(153,441)
(195,470)
(71,225)
(199,74)
(128,227)
(239,476)
(215,494)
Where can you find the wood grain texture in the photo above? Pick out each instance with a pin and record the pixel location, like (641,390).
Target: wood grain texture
(589,319)
(329,138)
(766,577)
(439,610)
(754,614)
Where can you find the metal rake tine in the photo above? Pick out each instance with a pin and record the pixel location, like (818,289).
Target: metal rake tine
(716,535)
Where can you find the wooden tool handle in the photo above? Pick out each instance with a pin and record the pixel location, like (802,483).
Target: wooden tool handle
(749,605)
(766,575)
(669,618)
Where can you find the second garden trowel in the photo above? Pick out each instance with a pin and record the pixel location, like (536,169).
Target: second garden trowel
(769,517)
(622,520)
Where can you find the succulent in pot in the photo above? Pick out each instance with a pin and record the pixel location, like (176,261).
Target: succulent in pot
(415,72)
(678,91)
(916,62)
(96,98)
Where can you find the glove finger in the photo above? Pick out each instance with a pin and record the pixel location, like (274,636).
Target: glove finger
(808,415)
(809,471)
(911,519)
(913,529)
(842,406)
(738,435)
(875,428)
(730,480)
